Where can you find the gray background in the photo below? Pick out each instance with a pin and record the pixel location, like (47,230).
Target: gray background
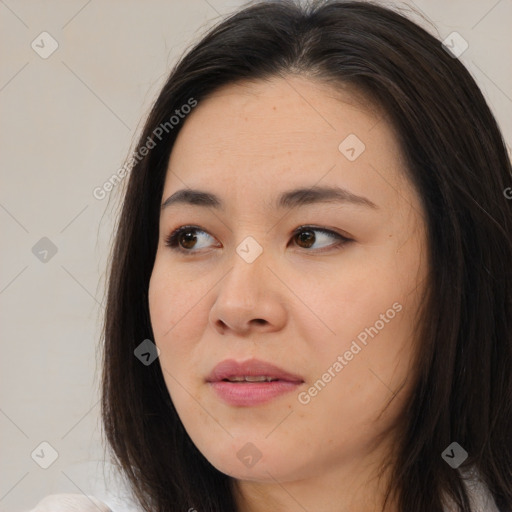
(68,123)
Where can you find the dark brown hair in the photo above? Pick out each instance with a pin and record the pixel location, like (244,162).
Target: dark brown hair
(457,161)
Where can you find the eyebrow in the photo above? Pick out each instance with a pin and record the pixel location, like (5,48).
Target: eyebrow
(287,200)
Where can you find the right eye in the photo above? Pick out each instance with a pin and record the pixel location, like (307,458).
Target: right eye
(183,238)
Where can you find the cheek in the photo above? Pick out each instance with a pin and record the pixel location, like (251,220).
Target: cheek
(178,314)
(371,309)
(171,299)
(160,300)
(168,307)
(352,299)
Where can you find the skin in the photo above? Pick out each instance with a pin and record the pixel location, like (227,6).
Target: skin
(294,306)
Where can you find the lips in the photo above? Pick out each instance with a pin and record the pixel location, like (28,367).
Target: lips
(231,370)
(251,383)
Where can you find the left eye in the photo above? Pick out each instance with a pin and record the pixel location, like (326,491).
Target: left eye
(183,238)
(306,235)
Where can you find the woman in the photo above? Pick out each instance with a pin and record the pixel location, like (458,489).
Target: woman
(310,295)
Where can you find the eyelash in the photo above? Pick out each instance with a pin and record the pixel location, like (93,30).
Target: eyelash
(172,239)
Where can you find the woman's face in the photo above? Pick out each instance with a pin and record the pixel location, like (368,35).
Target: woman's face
(337,317)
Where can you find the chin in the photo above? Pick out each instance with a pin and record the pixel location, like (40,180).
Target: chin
(258,460)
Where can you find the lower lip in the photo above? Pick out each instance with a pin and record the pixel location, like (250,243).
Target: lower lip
(252,393)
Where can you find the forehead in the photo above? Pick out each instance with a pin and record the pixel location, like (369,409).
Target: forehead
(278,112)
(259,135)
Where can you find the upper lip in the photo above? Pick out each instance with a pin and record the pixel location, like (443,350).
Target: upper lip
(252,368)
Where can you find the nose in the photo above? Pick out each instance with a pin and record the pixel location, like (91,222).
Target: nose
(249,298)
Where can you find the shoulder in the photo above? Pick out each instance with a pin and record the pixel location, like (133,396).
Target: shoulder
(480,497)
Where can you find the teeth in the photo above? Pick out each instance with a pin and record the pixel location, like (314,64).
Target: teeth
(248,378)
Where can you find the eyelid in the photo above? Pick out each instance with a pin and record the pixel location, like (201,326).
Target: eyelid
(171,239)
